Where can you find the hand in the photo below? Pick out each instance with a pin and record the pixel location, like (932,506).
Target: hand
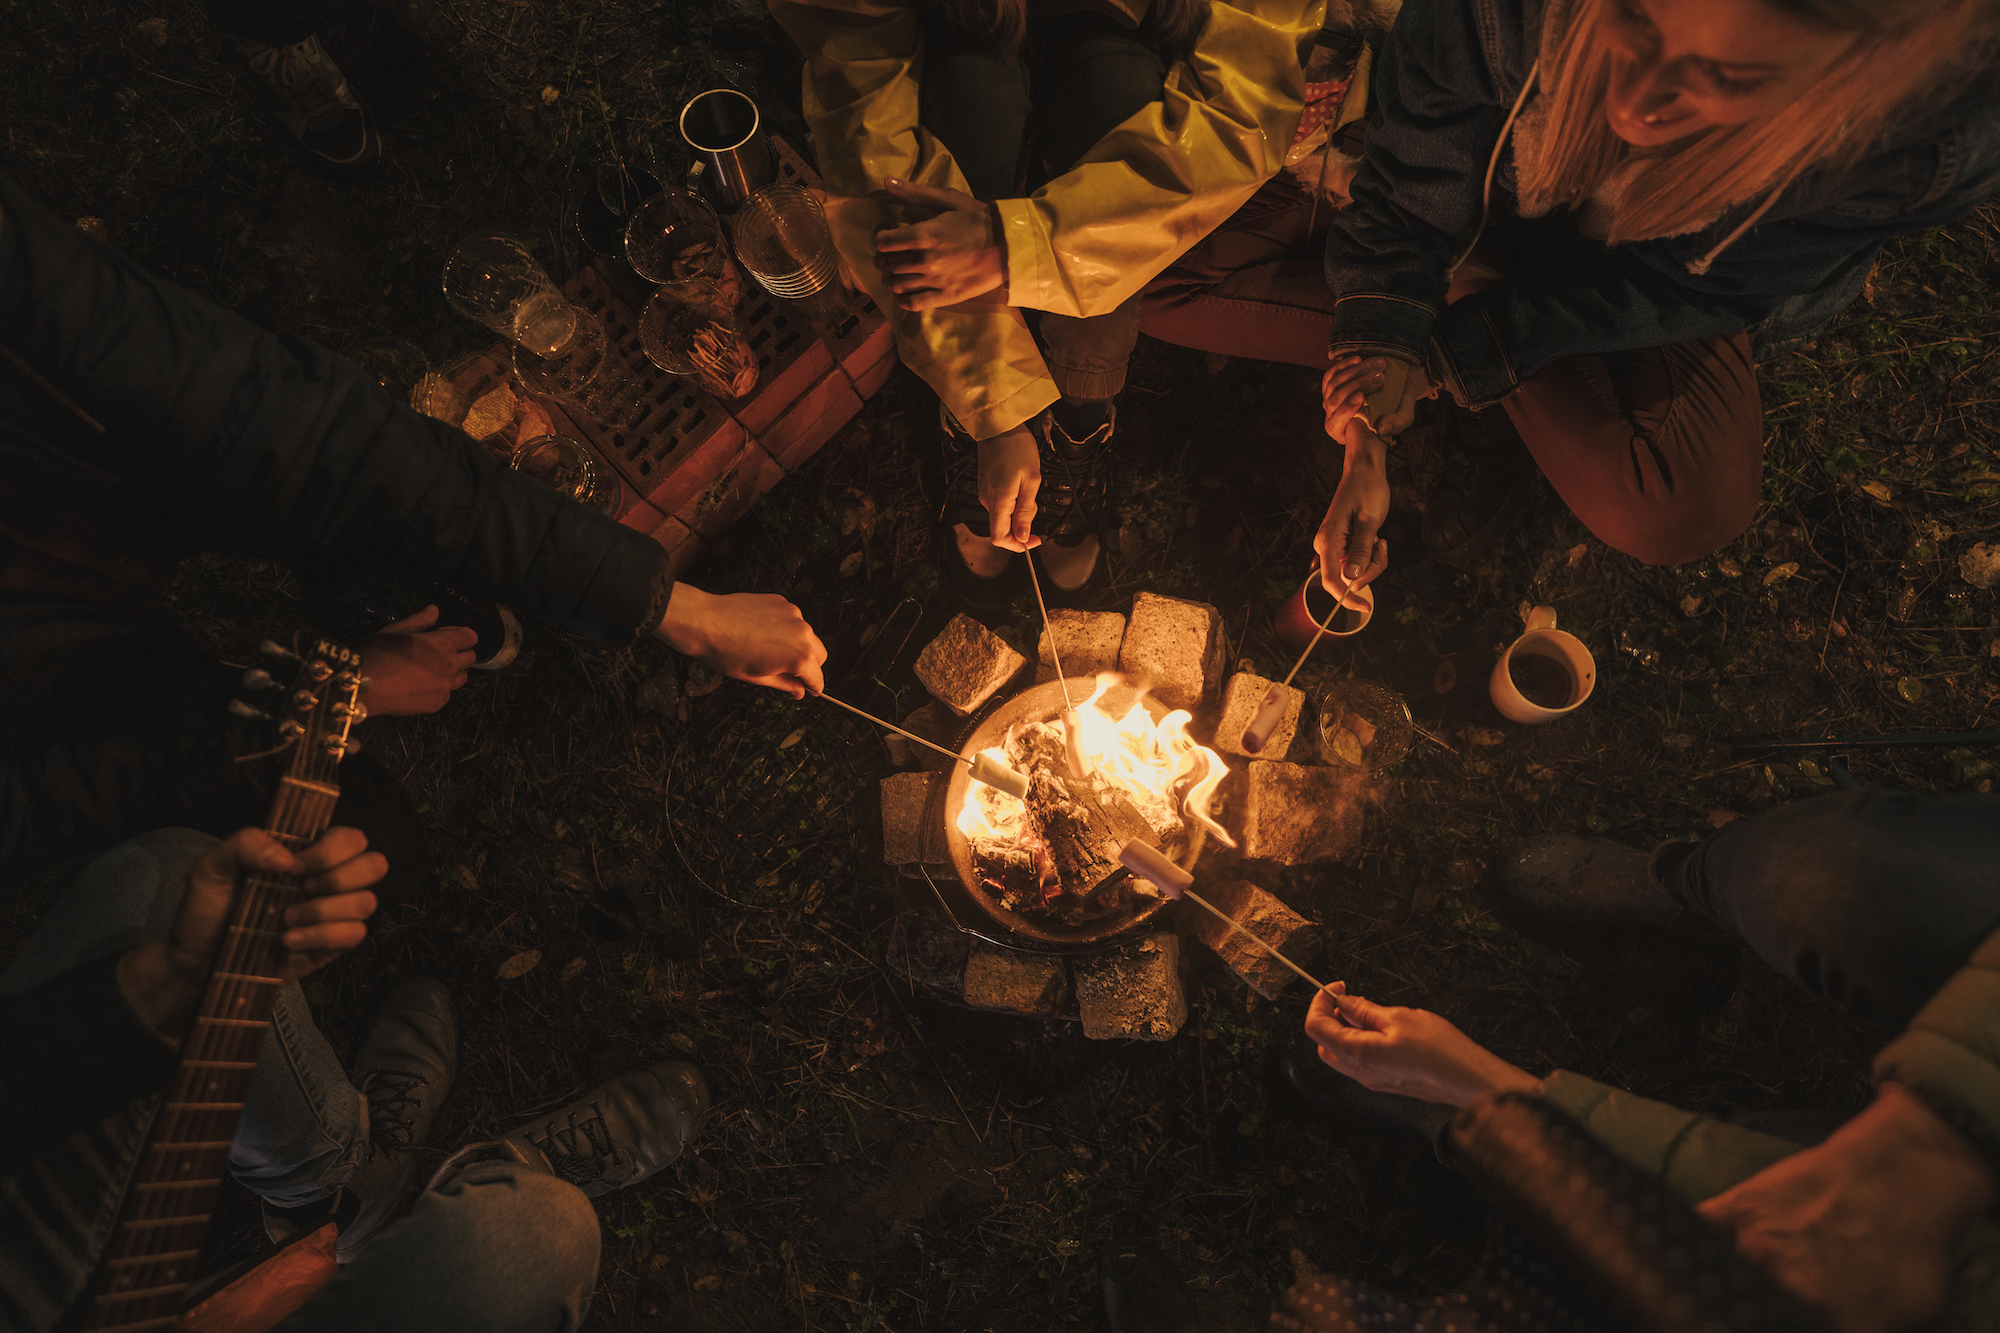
(1863,1225)
(412,666)
(1351,382)
(1411,1052)
(754,636)
(1350,553)
(951,257)
(1010,476)
(164,978)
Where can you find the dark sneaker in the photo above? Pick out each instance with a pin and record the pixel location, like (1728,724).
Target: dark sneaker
(1142,1291)
(618,1135)
(1076,484)
(1489,477)
(960,505)
(403,1071)
(309,96)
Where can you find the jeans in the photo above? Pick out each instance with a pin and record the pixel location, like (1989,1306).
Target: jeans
(496,1247)
(1084,75)
(1659,450)
(1870,899)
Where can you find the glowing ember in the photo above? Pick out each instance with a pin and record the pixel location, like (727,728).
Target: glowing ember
(1168,778)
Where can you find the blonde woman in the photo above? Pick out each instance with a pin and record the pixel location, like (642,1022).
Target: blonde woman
(990,156)
(1589,212)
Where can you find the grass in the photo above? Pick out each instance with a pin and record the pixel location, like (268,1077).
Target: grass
(711,890)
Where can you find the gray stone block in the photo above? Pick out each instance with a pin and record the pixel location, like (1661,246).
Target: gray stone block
(966,665)
(1087,640)
(1133,992)
(1005,981)
(1294,813)
(1175,648)
(1269,920)
(1242,696)
(908,836)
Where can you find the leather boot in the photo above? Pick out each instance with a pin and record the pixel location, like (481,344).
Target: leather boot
(616,1135)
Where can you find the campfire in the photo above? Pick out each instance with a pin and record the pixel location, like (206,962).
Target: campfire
(1133,772)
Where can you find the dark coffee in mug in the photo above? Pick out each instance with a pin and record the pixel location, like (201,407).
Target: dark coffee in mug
(1542,681)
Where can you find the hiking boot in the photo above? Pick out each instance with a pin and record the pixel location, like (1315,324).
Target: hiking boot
(403,1071)
(309,96)
(617,1135)
(1489,477)
(1142,1291)
(986,576)
(1076,484)
(1563,880)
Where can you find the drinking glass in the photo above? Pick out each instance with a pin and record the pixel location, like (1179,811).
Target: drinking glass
(588,373)
(494,280)
(782,238)
(689,328)
(1363,725)
(567,468)
(674,237)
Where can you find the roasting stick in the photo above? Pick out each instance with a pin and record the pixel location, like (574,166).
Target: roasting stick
(984,770)
(1072,733)
(1150,865)
(1272,707)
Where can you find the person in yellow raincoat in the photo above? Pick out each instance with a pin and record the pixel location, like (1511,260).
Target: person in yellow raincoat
(1154,120)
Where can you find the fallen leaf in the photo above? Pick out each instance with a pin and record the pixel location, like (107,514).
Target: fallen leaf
(1577,553)
(549,94)
(1784,571)
(1346,746)
(1910,689)
(1729,569)
(1879,492)
(1718,817)
(573,969)
(851,565)
(1484,736)
(1691,604)
(94,228)
(792,739)
(713,1282)
(467,880)
(702,682)
(736,1240)
(1980,566)
(868,635)
(520,964)
(682,1041)
(1444,677)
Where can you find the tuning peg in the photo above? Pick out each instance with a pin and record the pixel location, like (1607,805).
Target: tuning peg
(272,648)
(350,712)
(256,678)
(240,709)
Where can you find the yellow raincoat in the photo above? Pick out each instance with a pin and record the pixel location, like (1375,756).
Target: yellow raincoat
(1088,239)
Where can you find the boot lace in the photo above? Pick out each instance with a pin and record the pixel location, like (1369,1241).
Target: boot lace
(579,1153)
(394,1101)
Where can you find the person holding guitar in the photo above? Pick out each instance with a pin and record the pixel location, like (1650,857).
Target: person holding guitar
(141,424)
(171,966)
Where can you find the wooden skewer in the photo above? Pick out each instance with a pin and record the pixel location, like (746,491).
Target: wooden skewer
(1254,939)
(1323,627)
(983,769)
(1156,868)
(950,754)
(1047,628)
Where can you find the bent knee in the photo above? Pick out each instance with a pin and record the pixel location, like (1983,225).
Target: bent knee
(1676,531)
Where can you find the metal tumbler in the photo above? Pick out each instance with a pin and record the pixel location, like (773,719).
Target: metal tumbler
(722,125)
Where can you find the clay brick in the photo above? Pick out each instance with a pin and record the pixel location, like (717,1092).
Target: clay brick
(966,665)
(1269,920)
(811,421)
(1087,640)
(1175,647)
(1292,813)
(925,952)
(684,545)
(1241,698)
(907,835)
(1134,991)
(933,721)
(1007,981)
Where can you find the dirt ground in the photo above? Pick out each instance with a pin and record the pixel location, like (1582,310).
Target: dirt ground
(713,889)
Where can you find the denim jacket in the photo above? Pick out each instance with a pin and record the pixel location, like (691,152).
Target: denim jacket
(1446,79)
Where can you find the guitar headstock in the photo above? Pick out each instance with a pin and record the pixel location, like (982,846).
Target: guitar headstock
(318,701)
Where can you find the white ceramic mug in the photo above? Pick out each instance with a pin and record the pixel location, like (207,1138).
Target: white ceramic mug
(1543,640)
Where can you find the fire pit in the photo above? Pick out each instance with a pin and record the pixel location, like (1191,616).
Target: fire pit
(1046,869)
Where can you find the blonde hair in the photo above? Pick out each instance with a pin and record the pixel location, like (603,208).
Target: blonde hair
(1903,51)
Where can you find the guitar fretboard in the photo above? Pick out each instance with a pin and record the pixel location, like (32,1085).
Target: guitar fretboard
(164,1221)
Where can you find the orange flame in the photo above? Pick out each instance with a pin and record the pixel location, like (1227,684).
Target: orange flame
(1169,777)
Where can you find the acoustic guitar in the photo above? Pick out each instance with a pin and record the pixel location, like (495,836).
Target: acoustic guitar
(144,1275)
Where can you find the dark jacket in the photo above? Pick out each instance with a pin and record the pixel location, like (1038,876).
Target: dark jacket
(217,436)
(1444,83)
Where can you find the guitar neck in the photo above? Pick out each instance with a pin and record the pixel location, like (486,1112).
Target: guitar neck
(163,1223)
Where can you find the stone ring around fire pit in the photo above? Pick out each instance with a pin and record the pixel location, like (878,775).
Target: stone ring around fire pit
(1040,703)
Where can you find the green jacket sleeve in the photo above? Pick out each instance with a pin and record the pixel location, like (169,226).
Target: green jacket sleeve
(1696,1156)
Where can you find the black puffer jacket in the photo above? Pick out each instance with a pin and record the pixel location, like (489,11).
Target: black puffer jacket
(216,436)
